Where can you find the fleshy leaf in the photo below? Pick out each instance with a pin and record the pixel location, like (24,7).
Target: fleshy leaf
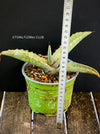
(49,55)
(77,67)
(74,40)
(29,57)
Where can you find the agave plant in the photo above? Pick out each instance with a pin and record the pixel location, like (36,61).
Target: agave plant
(51,64)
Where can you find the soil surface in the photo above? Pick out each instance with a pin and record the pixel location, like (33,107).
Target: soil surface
(38,74)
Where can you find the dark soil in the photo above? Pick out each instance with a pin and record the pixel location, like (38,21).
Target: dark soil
(38,74)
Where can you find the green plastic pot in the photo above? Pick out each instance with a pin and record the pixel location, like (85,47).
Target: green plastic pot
(43,96)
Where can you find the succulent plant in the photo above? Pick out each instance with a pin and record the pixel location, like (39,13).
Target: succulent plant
(51,65)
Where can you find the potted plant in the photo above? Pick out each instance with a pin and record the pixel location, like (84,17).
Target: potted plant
(41,75)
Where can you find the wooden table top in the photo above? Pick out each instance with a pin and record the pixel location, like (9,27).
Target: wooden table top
(80,117)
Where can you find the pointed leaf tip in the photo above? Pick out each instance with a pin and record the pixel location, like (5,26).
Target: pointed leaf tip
(76,38)
(77,67)
(49,43)
(0,56)
(93,31)
(98,75)
(49,55)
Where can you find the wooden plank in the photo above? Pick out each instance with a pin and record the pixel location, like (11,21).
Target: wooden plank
(46,125)
(97,101)
(16,117)
(81,116)
(16,114)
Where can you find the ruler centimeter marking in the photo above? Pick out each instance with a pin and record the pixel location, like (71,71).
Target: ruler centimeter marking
(66,26)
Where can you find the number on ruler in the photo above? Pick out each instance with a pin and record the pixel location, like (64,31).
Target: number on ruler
(64,47)
(59,115)
(66,25)
(63,62)
(62,75)
(62,71)
(63,57)
(63,66)
(66,19)
(67,14)
(62,80)
(65,42)
(61,92)
(65,37)
(66,31)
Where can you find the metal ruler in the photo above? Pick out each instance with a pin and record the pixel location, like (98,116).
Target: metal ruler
(66,26)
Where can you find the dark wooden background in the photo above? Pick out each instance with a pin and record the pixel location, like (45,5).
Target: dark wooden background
(44,18)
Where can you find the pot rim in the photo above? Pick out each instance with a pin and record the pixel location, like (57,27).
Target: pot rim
(24,74)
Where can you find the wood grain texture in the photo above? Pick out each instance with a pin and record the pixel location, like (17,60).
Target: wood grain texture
(97,102)
(81,116)
(16,114)
(46,125)
(17,117)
